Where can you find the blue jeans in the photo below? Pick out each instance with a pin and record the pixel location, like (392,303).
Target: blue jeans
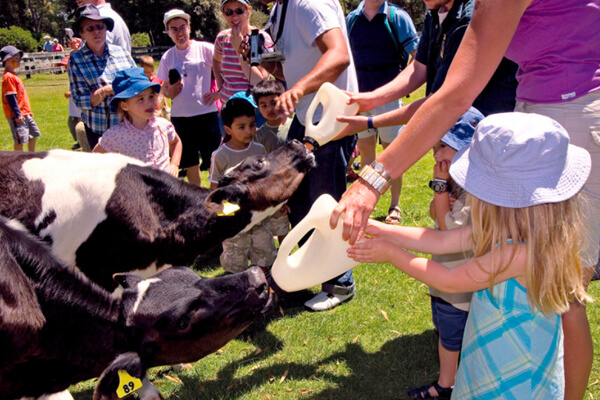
(329,176)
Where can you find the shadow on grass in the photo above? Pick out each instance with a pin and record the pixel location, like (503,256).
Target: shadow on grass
(385,374)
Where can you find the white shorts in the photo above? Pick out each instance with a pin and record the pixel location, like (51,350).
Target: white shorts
(387,134)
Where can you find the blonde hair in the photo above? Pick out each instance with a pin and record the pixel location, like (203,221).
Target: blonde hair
(551,234)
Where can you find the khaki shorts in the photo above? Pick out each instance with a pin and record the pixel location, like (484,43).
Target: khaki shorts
(581,119)
(279,224)
(256,246)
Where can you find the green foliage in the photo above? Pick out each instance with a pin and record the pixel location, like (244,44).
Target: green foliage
(18,37)
(140,39)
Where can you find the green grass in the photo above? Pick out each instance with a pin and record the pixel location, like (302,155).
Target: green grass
(370,348)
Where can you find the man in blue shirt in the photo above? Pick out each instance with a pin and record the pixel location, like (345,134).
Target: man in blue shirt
(47,44)
(382,37)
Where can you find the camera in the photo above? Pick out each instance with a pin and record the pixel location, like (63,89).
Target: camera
(257,50)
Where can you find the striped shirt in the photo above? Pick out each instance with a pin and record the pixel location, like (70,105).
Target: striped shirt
(89,72)
(234,79)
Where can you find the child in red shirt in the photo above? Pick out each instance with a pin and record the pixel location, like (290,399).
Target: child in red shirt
(15,101)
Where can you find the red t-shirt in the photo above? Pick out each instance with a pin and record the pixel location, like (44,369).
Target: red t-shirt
(11,83)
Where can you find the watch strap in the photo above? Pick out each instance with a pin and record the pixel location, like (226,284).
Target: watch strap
(375,179)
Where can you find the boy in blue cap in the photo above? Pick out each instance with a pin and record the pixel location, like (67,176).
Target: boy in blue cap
(140,134)
(15,101)
(255,245)
(449,211)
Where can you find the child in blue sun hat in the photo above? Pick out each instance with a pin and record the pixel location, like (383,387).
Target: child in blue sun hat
(523,180)
(140,134)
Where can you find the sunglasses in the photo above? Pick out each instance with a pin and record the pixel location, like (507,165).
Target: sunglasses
(92,28)
(238,11)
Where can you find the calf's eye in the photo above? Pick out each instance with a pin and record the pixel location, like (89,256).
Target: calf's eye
(183,322)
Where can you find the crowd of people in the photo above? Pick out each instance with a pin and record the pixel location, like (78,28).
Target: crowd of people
(512,113)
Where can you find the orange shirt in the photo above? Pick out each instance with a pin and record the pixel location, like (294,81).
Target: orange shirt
(11,83)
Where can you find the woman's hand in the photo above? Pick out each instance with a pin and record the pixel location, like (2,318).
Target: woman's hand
(356,204)
(236,37)
(209,98)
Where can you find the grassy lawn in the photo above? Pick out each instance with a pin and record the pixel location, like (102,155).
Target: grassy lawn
(370,348)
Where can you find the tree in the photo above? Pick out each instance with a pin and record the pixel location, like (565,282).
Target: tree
(18,37)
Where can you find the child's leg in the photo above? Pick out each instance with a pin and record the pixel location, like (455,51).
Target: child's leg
(18,147)
(578,346)
(448,367)
(30,145)
(193,174)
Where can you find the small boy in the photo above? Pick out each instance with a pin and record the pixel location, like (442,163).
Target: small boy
(273,133)
(256,245)
(449,211)
(15,101)
(162,107)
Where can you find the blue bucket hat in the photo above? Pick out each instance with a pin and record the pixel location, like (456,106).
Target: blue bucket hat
(461,134)
(129,83)
(9,51)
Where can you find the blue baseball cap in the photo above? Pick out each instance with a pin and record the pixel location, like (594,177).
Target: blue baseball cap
(129,83)
(461,134)
(244,95)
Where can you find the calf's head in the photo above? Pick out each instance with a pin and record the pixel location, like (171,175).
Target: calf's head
(178,316)
(263,183)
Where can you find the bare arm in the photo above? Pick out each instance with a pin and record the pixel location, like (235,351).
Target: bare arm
(492,27)
(175,149)
(334,60)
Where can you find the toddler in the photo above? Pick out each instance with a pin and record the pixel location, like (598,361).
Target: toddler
(256,245)
(449,211)
(522,178)
(140,134)
(15,101)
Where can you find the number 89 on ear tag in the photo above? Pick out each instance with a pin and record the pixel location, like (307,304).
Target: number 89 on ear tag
(127,384)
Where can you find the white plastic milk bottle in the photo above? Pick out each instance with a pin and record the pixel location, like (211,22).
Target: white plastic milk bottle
(321,258)
(334,104)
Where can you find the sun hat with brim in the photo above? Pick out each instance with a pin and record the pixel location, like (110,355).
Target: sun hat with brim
(520,160)
(246,2)
(89,11)
(461,134)
(9,51)
(129,83)
(175,13)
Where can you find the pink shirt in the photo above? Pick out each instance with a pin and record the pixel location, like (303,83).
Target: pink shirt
(234,79)
(150,145)
(557,48)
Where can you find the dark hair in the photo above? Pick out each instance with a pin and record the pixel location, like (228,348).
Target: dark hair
(268,87)
(234,108)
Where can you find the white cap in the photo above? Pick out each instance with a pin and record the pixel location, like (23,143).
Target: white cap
(46,37)
(175,13)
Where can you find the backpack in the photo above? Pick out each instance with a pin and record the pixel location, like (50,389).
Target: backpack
(389,25)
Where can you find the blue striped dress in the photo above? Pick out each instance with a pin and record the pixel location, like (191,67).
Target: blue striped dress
(509,352)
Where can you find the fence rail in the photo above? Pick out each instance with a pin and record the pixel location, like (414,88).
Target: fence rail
(35,63)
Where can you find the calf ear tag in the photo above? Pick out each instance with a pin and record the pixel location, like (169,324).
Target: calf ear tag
(228,209)
(127,384)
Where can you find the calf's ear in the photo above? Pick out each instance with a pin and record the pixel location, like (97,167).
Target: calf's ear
(127,280)
(219,197)
(124,374)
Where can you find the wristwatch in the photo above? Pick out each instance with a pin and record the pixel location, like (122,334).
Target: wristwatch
(376,176)
(439,185)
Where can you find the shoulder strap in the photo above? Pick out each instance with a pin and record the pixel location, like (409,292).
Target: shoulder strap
(391,28)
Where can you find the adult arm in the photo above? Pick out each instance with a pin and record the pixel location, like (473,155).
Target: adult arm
(488,36)
(334,60)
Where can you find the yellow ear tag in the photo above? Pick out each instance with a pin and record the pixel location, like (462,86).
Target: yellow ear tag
(228,209)
(127,384)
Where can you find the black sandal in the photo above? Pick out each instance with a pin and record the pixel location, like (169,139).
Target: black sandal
(422,392)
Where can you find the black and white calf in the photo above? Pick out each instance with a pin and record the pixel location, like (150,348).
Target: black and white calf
(58,328)
(106,213)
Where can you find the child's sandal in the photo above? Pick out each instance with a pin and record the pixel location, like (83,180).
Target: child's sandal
(422,392)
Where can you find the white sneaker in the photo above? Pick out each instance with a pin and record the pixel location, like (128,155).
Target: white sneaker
(326,301)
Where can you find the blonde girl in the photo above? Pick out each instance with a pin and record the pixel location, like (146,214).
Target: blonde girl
(523,179)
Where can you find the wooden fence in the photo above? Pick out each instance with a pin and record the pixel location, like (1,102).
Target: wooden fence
(35,63)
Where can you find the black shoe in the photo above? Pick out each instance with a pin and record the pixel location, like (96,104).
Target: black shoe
(76,146)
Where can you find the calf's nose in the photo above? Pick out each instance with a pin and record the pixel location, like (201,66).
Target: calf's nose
(258,287)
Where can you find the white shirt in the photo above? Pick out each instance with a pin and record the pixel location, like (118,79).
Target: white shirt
(305,21)
(194,64)
(119,36)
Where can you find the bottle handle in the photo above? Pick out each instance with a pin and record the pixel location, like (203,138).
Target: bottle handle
(310,112)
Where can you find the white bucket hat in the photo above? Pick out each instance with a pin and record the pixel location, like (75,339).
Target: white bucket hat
(519,160)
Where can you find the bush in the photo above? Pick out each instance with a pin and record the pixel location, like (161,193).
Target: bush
(18,37)
(140,39)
